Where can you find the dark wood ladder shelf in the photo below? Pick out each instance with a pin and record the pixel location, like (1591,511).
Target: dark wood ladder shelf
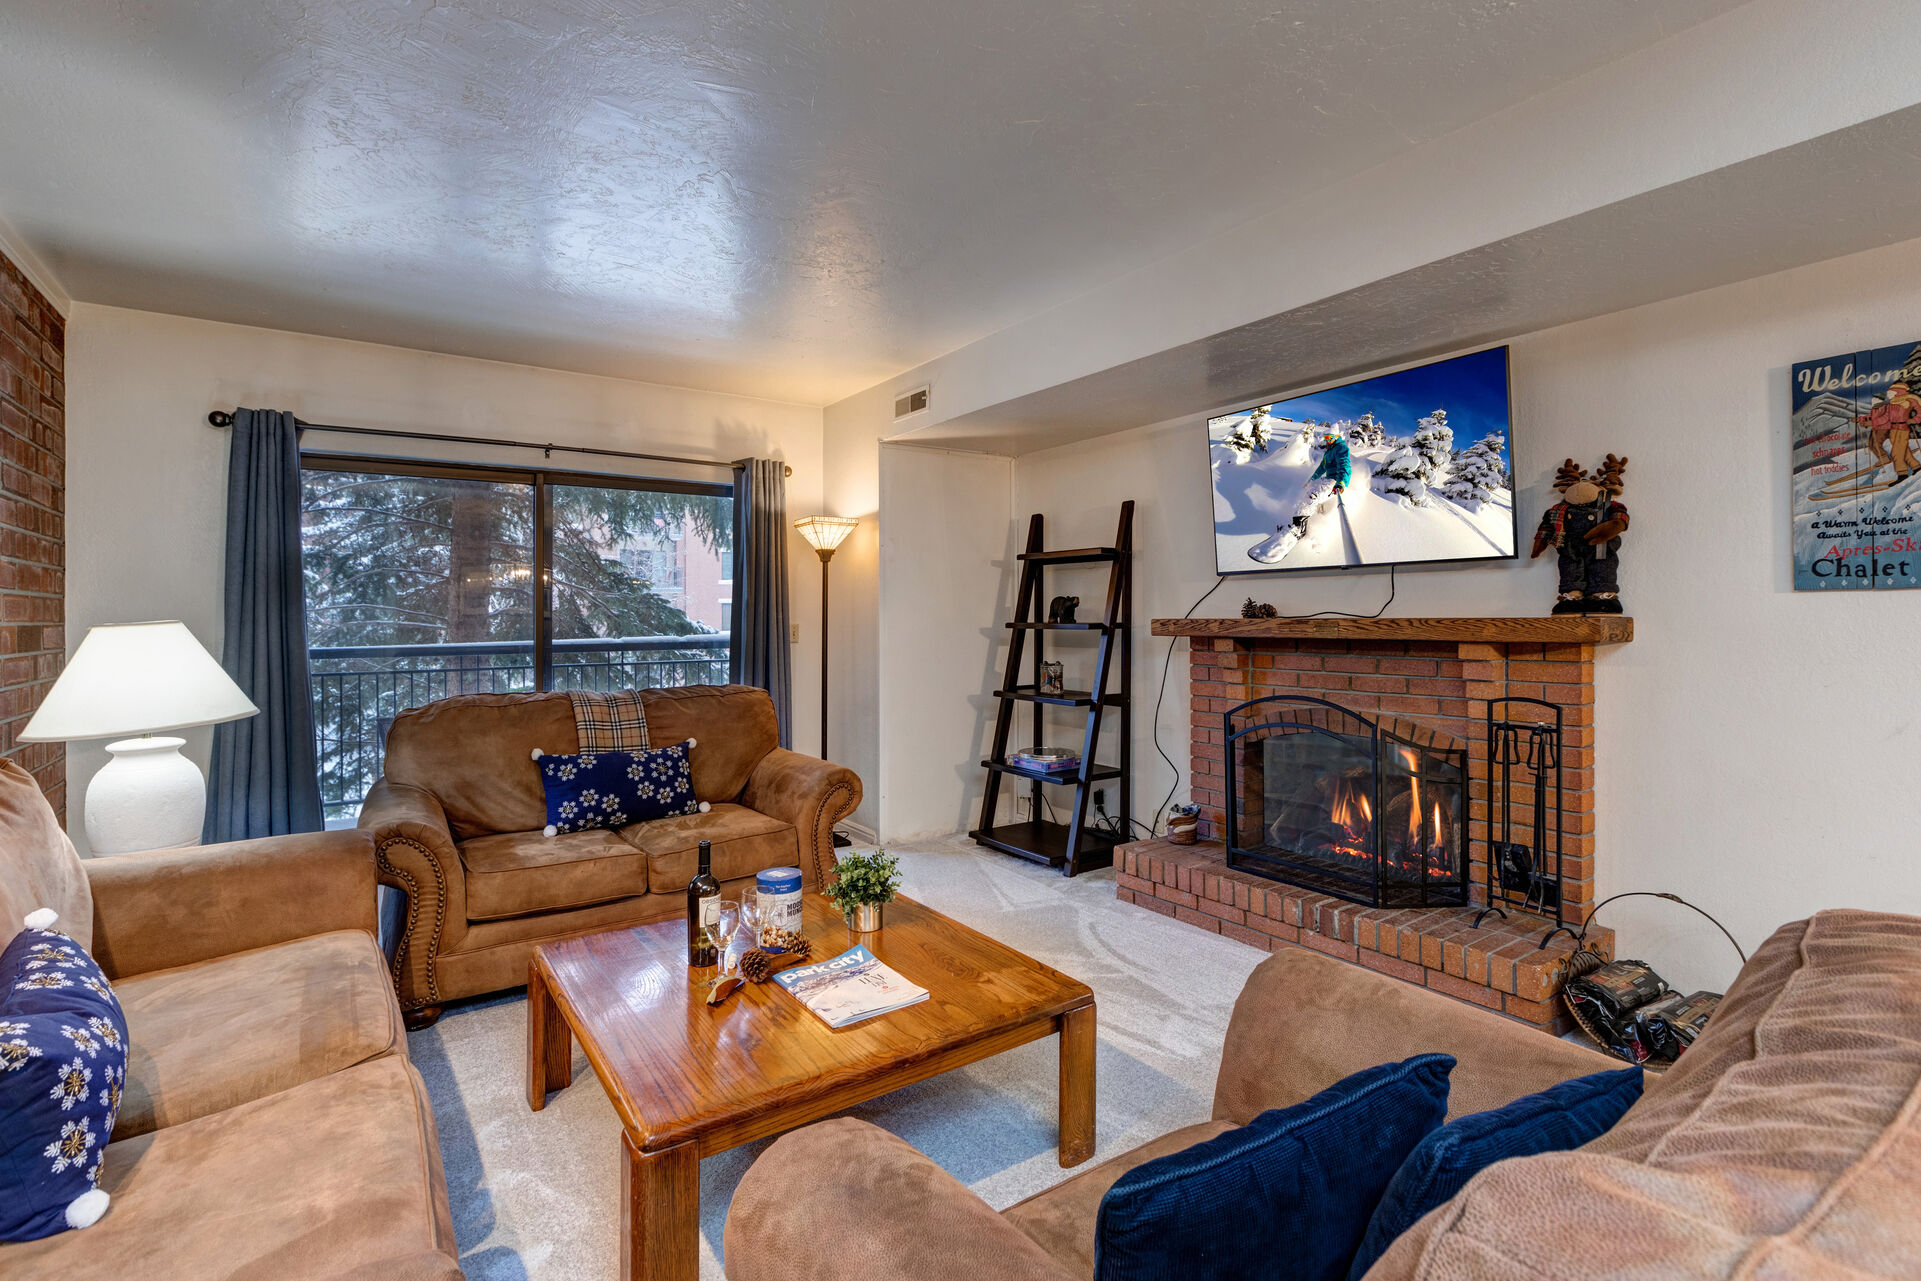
(1064,627)
(1073,555)
(1080,843)
(1046,843)
(1063,776)
(1066,698)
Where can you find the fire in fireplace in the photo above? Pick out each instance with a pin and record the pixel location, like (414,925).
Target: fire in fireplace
(1332,801)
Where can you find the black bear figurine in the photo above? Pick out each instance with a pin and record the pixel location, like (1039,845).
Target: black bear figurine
(1061,609)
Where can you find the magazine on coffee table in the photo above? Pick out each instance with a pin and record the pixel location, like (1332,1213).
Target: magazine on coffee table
(850,987)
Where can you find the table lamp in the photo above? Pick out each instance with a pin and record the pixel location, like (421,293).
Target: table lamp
(824,534)
(140,679)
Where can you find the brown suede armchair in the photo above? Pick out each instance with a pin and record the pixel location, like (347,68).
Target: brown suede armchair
(457,826)
(270,1123)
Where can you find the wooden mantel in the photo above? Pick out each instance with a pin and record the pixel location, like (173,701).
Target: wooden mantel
(1567,629)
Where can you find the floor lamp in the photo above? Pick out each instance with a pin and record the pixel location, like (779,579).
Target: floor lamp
(824,534)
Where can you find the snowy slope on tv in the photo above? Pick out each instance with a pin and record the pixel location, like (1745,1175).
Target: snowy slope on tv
(1409,467)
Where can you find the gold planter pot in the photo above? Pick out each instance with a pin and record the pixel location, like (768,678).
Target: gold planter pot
(865,918)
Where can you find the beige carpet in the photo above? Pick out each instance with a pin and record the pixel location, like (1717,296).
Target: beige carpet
(535,1194)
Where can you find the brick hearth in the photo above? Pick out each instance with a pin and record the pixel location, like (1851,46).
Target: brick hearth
(1434,674)
(1500,966)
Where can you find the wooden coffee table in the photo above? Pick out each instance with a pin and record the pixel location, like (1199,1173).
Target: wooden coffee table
(689,1079)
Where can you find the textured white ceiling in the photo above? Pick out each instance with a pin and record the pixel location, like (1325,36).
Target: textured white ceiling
(785,198)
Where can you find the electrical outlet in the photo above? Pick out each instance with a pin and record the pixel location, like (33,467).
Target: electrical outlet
(793,633)
(1024,809)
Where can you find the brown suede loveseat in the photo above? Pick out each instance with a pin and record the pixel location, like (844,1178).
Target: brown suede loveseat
(1784,1146)
(270,1124)
(457,825)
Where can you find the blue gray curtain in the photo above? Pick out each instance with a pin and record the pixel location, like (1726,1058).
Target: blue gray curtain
(263,780)
(759,640)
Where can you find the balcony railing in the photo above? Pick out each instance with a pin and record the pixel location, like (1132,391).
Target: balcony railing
(359,689)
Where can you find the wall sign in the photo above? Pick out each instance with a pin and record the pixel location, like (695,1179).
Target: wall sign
(1855,433)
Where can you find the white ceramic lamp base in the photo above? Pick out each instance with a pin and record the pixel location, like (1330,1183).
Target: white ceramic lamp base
(149,797)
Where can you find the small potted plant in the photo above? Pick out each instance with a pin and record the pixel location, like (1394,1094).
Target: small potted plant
(863,883)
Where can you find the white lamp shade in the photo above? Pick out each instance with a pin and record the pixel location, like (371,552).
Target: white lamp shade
(137,678)
(825,533)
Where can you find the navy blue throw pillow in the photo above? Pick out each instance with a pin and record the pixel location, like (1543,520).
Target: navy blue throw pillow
(63,1059)
(613,789)
(1558,1119)
(1285,1197)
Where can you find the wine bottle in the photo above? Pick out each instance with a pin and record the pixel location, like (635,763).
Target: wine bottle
(703,913)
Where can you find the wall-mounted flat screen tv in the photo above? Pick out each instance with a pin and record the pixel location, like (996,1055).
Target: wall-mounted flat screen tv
(1409,467)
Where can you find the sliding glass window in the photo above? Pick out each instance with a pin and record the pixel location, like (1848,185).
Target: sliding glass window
(424,582)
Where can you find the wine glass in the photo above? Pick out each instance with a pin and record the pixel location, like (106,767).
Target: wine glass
(723,931)
(750,915)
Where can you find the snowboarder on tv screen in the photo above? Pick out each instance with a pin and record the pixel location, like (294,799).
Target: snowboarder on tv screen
(1328,481)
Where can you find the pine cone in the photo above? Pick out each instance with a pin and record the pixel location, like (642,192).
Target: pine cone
(756,966)
(800,949)
(1249,609)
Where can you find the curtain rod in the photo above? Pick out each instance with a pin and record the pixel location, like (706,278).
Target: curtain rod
(221,418)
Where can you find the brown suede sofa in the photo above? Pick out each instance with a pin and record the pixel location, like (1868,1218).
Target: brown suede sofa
(457,826)
(270,1125)
(1785,1145)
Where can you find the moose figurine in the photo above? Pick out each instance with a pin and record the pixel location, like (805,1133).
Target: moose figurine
(1585,528)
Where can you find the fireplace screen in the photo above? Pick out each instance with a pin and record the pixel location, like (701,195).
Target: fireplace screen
(1330,801)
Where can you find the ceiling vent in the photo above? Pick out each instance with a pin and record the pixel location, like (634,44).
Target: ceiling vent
(913,402)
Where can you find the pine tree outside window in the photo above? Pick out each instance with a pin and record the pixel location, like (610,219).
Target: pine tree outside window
(424,582)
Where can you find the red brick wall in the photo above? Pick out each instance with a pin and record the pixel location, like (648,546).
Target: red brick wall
(1442,685)
(33,456)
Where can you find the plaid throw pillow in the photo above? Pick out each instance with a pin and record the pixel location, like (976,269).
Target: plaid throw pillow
(613,789)
(63,1059)
(613,722)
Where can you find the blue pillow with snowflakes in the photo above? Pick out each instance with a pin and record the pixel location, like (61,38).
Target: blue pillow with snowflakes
(63,1060)
(613,789)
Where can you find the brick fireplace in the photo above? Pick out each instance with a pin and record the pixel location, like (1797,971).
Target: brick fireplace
(1412,684)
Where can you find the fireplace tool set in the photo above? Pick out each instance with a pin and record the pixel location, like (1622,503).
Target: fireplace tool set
(1524,754)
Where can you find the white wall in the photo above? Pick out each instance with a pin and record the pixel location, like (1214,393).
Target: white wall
(146,475)
(1755,744)
(946,565)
